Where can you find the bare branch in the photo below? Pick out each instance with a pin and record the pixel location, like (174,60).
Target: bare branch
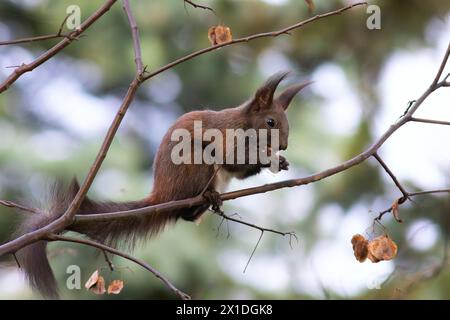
(24,68)
(135,35)
(419,193)
(391,174)
(198,200)
(409,195)
(156,273)
(11,204)
(445,123)
(252,37)
(33,39)
(253,252)
(195,5)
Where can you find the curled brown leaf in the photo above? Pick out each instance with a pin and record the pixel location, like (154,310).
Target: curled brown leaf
(115,287)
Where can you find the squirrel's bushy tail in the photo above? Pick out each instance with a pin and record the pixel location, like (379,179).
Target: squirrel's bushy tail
(33,258)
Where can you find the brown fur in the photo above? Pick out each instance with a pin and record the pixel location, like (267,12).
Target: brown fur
(172,182)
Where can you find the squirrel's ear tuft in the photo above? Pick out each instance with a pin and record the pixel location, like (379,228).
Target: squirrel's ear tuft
(285,98)
(264,96)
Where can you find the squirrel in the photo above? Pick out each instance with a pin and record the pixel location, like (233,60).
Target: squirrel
(171,182)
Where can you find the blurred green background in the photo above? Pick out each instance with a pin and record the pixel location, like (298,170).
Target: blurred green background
(53,120)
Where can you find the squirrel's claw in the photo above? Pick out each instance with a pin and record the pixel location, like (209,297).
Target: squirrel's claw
(213,197)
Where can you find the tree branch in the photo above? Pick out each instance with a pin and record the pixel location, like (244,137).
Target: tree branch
(24,68)
(135,35)
(59,34)
(195,5)
(198,200)
(156,273)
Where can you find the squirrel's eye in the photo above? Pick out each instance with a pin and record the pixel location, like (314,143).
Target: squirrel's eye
(270,122)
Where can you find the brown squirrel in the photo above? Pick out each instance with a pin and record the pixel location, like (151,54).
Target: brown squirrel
(172,182)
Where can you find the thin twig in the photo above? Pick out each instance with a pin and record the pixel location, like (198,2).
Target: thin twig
(289,233)
(198,200)
(135,35)
(409,195)
(156,273)
(419,193)
(68,39)
(59,34)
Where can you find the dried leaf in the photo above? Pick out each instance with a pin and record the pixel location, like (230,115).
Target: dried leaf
(382,248)
(115,287)
(311,6)
(395,212)
(360,247)
(92,280)
(219,34)
(99,287)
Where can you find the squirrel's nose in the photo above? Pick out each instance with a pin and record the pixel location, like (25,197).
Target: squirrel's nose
(283,146)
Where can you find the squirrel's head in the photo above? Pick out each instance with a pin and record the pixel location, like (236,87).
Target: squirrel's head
(266,112)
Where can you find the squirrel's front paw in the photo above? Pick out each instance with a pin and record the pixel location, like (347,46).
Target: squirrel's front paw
(284,164)
(213,197)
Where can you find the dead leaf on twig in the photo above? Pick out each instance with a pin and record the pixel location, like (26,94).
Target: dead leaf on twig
(311,6)
(219,34)
(381,248)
